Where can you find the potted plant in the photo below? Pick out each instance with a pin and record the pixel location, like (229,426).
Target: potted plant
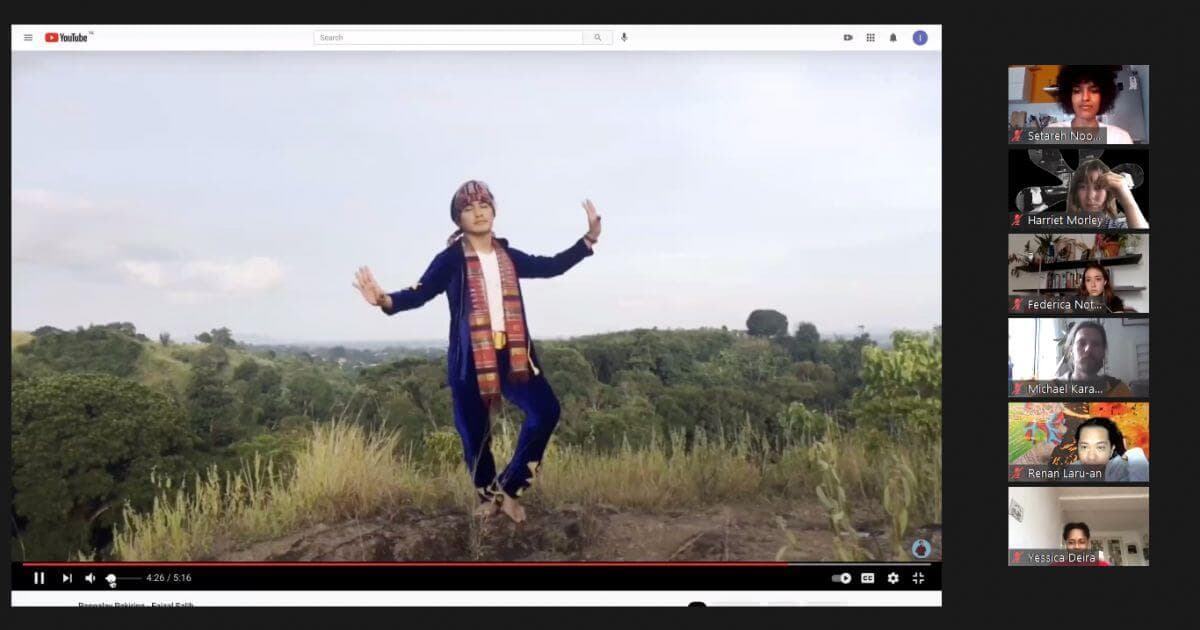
(1016,261)
(1130,243)
(1111,245)
(1046,248)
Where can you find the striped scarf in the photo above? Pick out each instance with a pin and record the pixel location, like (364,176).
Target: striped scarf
(483,348)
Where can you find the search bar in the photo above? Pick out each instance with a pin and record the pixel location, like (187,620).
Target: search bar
(460,38)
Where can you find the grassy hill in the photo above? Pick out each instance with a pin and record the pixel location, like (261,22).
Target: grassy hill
(20,338)
(354,494)
(160,365)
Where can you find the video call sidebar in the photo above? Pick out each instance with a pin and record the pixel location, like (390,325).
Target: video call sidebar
(1044,212)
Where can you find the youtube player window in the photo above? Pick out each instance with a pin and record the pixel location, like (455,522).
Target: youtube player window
(516,315)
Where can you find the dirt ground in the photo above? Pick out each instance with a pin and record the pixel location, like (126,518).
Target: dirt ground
(746,532)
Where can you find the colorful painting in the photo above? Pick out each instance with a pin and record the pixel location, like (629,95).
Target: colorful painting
(1044,433)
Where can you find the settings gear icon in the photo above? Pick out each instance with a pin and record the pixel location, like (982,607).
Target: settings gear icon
(893,578)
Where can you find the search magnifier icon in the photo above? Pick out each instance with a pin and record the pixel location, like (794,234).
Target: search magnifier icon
(596,36)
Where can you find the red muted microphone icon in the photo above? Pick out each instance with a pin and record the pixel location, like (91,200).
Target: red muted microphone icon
(51,38)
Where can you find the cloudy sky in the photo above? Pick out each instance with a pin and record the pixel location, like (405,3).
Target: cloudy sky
(187,191)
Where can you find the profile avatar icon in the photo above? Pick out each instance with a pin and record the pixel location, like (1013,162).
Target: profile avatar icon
(920,548)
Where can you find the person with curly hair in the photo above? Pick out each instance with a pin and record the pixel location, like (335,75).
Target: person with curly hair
(1086,93)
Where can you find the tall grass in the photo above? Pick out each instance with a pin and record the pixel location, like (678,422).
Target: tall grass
(346,471)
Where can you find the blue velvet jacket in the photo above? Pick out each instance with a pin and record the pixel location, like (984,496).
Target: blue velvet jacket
(448,272)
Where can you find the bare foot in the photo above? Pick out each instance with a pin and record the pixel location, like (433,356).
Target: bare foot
(512,509)
(487,509)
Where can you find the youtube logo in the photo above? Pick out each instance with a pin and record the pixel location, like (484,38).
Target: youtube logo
(53,38)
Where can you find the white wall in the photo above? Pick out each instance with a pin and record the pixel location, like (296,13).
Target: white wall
(1128,537)
(1021,346)
(1135,275)
(1122,350)
(1122,275)
(1144,86)
(1042,525)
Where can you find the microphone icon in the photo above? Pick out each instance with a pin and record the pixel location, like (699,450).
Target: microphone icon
(624,37)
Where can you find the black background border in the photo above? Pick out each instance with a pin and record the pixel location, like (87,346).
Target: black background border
(978,43)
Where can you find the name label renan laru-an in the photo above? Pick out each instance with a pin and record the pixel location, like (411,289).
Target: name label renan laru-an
(1065,474)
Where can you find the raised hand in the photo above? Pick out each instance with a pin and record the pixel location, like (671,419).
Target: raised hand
(1115,182)
(593,219)
(365,282)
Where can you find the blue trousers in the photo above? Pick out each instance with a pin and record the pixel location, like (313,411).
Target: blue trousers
(542,411)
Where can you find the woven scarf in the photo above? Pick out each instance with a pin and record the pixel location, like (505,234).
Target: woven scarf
(483,349)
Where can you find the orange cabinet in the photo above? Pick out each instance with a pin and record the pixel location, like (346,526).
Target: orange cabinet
(1042,77)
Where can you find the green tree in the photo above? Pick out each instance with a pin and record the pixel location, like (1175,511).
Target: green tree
(164,338)
(83,444)
(766,323)
(96,349)
(902,387)
(204,337)
(222,337)
(808,340)
(211,407)
(309,393)
(845,356)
